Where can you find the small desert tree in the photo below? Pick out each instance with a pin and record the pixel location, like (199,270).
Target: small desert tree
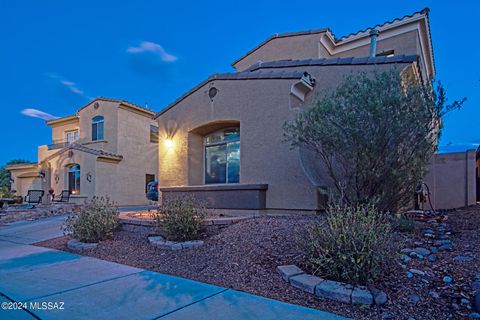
(374,135)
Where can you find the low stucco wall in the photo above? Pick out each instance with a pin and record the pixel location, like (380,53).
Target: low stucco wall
(452,180)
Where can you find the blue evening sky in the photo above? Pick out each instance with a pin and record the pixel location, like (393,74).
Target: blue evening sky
(56,55)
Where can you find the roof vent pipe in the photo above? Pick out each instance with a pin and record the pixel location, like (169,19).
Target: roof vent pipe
(373,42)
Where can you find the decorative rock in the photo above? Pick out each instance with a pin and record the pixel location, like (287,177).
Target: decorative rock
(434,294)
(476,302)
(76,245)
(428,231)
(474,315)
(361,295)
(416,255)
(418,272)
(462,259)
(433,249)
(387,315)
(334,290)
(379,296)
(161,243)
(432,258)
(477,276)
(414,298)
(447,279)
(422,251)
(306,282)
(439,243)
(289,271)
(464,301)
(405,258)
(406,251)
(409,274)
(445,247)
(476,286)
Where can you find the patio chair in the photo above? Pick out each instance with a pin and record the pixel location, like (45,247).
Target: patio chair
(34,197)
(64,197)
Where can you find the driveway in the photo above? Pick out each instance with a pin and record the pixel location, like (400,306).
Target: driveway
(52,284)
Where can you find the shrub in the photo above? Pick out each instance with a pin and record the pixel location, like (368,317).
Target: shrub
(353,244)
(181,218)
(373,137)
(96,220)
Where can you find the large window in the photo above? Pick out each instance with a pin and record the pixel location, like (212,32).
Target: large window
(74,179)
(222,156)
(97,128)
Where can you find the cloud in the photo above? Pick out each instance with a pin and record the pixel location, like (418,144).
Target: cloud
(70,86)
(153,48)
(35,113)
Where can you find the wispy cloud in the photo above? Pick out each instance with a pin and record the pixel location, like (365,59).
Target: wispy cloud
(154,48)
(35,113)
(67,84)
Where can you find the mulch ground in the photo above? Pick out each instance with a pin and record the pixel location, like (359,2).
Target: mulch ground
(244,257)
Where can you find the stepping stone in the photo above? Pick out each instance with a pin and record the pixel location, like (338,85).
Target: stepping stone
(361,295)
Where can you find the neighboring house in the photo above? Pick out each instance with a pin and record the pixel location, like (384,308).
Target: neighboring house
(109,147)
(222,141)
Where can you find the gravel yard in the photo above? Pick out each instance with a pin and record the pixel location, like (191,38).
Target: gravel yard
(243,256)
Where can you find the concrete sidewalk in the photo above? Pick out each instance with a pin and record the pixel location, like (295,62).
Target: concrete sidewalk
(45,280)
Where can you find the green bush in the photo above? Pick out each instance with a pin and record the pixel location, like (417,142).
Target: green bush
(181,218)
(353,245)
(96,220)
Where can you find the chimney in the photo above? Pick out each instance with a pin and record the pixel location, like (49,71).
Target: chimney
(373,42)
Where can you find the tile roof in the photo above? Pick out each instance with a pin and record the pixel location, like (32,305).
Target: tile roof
(332,61)
(79,147)
(125,102)
(380,25)
(424,11)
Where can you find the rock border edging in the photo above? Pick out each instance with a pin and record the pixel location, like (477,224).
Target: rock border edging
(329,289)
(76,245)
(162,243)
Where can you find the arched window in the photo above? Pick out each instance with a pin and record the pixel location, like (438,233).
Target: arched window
(74,179)
(97,128)
(222,156)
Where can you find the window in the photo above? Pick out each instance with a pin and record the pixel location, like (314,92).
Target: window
(148,178)
(386,53)
(97,128)
(222,156)
(74,179)
(72,136)
(153,134)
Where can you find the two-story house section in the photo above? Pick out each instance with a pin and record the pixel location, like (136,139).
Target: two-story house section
(109,147)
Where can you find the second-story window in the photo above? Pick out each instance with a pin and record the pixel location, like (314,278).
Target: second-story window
(72,136)
(97,128)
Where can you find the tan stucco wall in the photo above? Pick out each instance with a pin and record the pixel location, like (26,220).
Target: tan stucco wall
(452,181)
(261,107)
(24,180)
(59,130)
(295,48)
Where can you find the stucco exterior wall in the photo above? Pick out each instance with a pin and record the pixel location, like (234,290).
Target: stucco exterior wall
(295,48)
(140,156)
(261,107)
(59,130)
(452,180)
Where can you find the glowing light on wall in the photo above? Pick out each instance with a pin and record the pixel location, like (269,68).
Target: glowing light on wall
(169,144)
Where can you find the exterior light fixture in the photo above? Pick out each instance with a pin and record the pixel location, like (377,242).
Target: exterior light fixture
(169,144)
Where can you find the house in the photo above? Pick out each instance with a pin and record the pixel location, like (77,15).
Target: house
(222,141)
(108,147)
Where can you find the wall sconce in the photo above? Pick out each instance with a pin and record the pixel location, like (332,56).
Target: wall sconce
(12,181)
(169,144)
(42,174)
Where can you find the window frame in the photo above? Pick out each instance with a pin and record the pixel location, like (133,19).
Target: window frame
(74,134)
(218,143)
(98,121)
(77,179)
